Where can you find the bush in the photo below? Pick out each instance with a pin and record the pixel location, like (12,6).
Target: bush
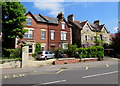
(13,53)
(58,53)
(71,51)
(91,52)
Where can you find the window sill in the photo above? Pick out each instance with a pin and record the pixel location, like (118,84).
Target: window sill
(42,39)
(28,38)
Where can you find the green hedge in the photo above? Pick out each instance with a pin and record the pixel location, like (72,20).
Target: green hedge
(91,52)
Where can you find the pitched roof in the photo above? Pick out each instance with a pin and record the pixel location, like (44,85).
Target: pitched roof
(45,19)
(39,18)
(81,24)
(51,19)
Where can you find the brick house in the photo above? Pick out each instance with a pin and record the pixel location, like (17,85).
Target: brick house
(50,32)
(83,32)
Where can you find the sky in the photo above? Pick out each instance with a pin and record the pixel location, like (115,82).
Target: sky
(106,12)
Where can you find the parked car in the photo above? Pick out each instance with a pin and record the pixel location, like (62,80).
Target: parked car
(45,55)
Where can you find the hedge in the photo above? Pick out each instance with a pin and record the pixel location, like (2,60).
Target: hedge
(91,52)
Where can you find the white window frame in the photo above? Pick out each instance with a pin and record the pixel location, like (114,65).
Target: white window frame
(43,46)
(27,22)
(86,29)
(65,45)
(63,35)
(30,48)
(63,25)
(43,30)
(29,33)
(52,33)
(88,37)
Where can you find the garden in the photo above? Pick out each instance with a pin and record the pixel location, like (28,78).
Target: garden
(74,51)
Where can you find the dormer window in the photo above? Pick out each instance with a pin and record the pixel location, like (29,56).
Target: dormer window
(28,21)
(63,25)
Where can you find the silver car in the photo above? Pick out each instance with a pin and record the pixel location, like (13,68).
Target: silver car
(45,55)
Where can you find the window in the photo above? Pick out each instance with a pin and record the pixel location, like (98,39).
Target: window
(87,37)
(29,34)
(46,52)
(0,34)
(28,21)
(63,35)
(52,35)
(43,35)
(86,29)
(105,39)
(43,47)
(65,46)
(50,52)
(63,25)
(30,49)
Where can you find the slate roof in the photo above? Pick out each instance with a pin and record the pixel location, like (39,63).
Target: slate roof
(39,18)
(81,24)
(51,19)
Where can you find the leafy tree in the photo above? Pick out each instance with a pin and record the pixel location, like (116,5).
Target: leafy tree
(116,44)
(13,17)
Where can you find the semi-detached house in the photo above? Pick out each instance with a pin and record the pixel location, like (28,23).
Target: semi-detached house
(50,32)
(56,32)
(84,33)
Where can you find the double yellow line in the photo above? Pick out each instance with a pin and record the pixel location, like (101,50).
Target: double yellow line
(14,76)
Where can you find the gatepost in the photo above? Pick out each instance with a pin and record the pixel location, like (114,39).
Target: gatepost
(25,57)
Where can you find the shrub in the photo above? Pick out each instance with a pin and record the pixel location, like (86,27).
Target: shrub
(71,51)
(100,52)
(58,52)
(91,52)
(13,53)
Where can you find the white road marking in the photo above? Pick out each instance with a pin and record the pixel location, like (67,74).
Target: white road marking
(54,82)
(15,76)
(107,65)
(6,77)
(86,68)
(59,71)
(100,74)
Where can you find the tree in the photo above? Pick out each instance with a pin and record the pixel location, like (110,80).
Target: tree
(13,17)
(116,44)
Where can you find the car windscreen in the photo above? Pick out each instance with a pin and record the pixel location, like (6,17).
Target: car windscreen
(39,52)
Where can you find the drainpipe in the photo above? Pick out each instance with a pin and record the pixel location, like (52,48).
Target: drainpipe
(48,37)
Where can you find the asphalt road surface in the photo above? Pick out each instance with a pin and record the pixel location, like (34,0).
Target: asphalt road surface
(100,74)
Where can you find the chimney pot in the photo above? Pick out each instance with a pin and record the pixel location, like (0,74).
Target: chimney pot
(60,15)
(97,22)
(71,17)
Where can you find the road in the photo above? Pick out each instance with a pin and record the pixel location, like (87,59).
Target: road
(89,74)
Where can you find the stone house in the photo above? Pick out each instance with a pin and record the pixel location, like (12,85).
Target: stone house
(50,32)
(84,33)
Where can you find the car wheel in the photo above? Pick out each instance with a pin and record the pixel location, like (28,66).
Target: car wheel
(45,57)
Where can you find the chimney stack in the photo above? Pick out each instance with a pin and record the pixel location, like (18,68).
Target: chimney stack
(97,22)
(60,15)
(71,17)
